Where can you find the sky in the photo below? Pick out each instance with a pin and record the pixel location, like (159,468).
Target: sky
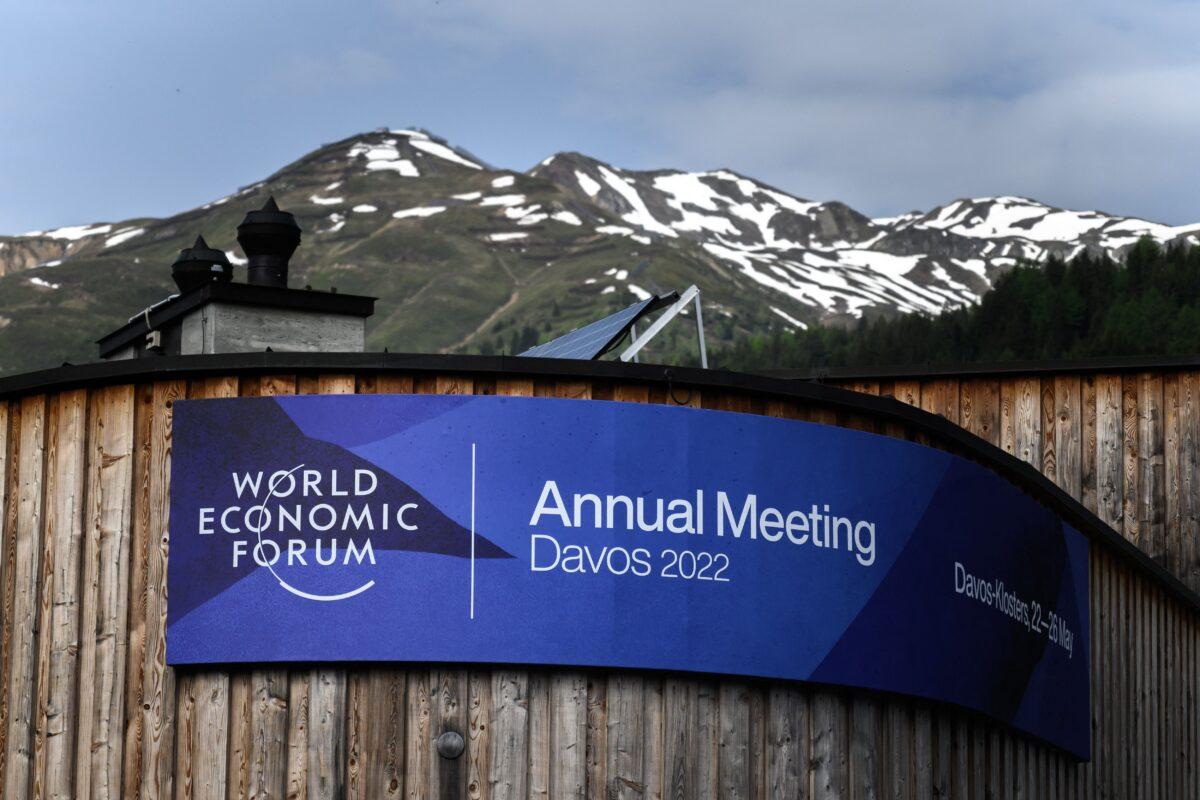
(134,108)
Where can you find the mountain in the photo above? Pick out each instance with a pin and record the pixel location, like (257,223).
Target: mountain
(467,257)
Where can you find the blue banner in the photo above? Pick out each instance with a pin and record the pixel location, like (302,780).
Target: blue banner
(578,532)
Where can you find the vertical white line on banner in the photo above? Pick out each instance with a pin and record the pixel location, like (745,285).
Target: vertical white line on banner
(472,530)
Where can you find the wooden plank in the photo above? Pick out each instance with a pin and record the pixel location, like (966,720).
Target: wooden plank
(1119,695)
(830,776)
(573,390)
(1157,684)
(922,752)
(703,758)
(1172,428)
(1168,671)
(980,409)
(1049,455)
(326,768)
(418,735)
(960,770)
(678,711)
(787,742)
(1068,435)
(1138,652)
(758,732)
(104,593)
(1151,491)
(977,747)
(56,720)
(1127,672)
(625,736)
(1088,444)
(509,758)
(941,397)
(267,725)
(866,718)
(158,680)
(539,748)
(1008,404)
(1095,684)
(733,755)
(943,753)
(568,735)
(1027,421)
(448,707)
(141,535)
(653,722)
(10,426)
(1110,476)
(597,737)
(479,753)
(899,735)
(1130,427)
(202,715)
(375,734)
(25,569)
(1189,475)
(908,392)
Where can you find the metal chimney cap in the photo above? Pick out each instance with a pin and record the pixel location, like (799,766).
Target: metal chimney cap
(200,264)
(270,214)
(268,237)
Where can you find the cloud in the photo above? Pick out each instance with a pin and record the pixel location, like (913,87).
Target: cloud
(884,105)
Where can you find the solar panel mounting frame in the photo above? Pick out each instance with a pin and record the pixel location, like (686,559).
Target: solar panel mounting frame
(597,338)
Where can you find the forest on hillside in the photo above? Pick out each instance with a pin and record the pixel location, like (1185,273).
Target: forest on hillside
(1087,307)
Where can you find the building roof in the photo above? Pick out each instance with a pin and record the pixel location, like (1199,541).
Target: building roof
(164,314)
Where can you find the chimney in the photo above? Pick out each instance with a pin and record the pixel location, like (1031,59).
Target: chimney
(200,264)
(212,314)
(268,238)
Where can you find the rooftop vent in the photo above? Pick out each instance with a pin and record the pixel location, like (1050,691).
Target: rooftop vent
(200,264)
(213,314)
(268,238)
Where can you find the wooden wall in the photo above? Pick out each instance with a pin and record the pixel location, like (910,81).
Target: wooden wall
(88,708)
(1125,445)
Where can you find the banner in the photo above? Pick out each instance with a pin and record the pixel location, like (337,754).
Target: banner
(591,533)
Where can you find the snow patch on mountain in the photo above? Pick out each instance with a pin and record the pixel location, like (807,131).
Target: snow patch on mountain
(420,211)
(123,235)
(826,258)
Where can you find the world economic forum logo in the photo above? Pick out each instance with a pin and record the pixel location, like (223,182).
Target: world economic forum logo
(317,531)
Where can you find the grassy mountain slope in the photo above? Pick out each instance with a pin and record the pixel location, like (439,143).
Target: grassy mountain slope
(467,258)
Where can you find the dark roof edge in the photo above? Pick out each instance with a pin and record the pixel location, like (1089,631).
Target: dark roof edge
(1112,364)
(236,294)
(884,408)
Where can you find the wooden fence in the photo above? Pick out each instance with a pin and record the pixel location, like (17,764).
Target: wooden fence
(89,709)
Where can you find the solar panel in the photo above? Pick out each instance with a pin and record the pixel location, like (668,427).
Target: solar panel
(595,339)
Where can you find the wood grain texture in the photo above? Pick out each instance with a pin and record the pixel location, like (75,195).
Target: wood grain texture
(21,626)
(89,709)
(375,733)
(104,594)
(58,650)
(508,759)
(568,734)
(158,680)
